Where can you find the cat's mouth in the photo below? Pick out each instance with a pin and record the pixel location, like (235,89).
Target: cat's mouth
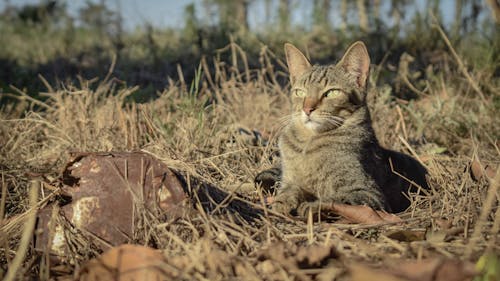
(319,124)
(310,123)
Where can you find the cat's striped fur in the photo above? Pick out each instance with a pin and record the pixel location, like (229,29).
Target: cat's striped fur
(329,150)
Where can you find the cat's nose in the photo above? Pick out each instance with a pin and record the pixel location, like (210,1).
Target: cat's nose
(308,110)
(309,105)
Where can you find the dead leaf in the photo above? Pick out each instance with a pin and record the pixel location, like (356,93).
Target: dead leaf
(424,270)
(354,213)
(362,214)
(479,170)
(360,272)
(125,263)
(296,259)
(434,270)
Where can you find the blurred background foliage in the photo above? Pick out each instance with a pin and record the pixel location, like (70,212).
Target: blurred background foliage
(46,40)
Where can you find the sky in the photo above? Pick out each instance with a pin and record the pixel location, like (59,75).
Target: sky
(169,13)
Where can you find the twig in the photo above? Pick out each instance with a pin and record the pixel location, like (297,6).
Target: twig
(111,68)
(412,151)
(402,120)
(4,198)
(46,83)
(485,210)
(24,96)
(461,65)
(27,235)
(495,229)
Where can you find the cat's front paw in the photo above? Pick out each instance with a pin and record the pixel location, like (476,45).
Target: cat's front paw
(269,179)
(306,207)
(370,201)
(281,207)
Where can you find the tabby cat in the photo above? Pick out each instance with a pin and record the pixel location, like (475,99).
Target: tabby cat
(328,148)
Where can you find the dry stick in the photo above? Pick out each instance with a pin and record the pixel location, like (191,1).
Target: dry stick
(483,217)
(402,120)
(46,83)
(461,65)
(420,188)
(181,77)
(495,229)
(4,197)
(24,96)
(111,68)
(412,151)
(26,237)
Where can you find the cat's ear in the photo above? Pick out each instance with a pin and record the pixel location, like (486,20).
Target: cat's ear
(296,61)
(356,62)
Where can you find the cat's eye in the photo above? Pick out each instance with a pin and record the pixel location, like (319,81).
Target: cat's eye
(299,92)
(332,93)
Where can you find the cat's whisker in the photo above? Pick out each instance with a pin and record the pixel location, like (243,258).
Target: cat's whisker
(285,120)
(336,121)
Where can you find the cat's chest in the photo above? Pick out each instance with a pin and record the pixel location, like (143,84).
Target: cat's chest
(306,157)
(297,148)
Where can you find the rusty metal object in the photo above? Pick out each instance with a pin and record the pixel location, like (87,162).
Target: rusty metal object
(105,190)
(104,193)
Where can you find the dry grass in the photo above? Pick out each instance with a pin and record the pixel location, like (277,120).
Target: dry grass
(197,131)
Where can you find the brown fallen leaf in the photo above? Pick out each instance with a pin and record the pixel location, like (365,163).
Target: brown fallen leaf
(354,213)
(361,214)
(424,270)
(479,170)
(434,270)
(297,259)
(360,272)
(125,263)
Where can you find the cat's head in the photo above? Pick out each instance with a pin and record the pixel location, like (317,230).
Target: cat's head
(326,97)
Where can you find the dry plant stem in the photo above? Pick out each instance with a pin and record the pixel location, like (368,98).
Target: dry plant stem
(495,229)
(413,153)
(411,87)
(25,96)
(402,120)
(485,211)
(111,68)
(46,83)
(26,237)
(3,200)
(461,65)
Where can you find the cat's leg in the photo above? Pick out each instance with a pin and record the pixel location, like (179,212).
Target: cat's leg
(365,196)
(288,198)
(311,206)
(269,178)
